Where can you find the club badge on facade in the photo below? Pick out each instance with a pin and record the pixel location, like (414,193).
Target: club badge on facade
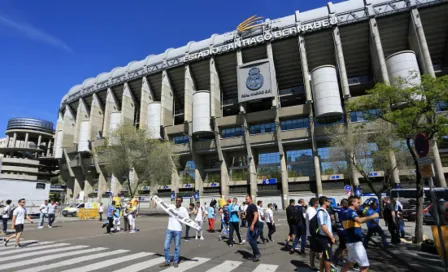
(255,79)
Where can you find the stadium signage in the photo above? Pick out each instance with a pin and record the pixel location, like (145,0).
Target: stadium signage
(252,41)
(254,81)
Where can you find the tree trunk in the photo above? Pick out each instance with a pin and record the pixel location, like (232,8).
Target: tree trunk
(419,191)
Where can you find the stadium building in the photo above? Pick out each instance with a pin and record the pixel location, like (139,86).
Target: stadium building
(247,109)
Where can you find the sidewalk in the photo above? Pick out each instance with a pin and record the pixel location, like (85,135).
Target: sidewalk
(411,254)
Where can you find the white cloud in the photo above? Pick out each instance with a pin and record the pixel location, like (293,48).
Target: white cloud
(35,34)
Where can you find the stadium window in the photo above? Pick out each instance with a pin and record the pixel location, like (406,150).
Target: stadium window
(232,132)
(262,128)
(363,116)
(180,139)
(295,124)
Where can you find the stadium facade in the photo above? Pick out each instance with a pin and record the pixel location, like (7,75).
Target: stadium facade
(247,109)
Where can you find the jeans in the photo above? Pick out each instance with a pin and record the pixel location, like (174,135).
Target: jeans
(101,216)
(126,223)
(51,217)
(260,231)
(301,234)
(41,219)
(252,237)
(234,226)
(111,223)
(243,223)
(187,230)
(5,224)
(371,231)
(170,235)
(224,227)
(394,233)
(272,230)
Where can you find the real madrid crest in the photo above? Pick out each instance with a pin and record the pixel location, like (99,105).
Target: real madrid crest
(255,79)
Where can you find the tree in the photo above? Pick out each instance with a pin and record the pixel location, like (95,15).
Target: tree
(366,152)
(409,108)
(129,151)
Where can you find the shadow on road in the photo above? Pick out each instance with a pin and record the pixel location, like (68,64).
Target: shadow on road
(246,255)
(299,265)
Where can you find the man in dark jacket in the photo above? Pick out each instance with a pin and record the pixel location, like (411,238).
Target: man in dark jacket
(389,215)
(292,217)
(301,228)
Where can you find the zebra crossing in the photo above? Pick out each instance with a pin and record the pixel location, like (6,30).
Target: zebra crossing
(37,256)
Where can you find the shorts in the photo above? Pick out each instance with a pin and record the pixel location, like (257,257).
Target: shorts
(325,244)
(292,229)
(19,228)
(357,254)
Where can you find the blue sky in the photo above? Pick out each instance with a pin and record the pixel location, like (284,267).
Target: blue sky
(48,46)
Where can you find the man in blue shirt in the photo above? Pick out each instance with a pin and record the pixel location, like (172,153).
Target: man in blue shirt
(325,235)
(234,222)
(373,226)
(110,216)
(340,230)
(211,218)
(352,225)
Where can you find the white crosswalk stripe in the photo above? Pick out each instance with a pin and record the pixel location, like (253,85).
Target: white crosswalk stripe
(111,262)
(53,256)
(27,243)
(225,266)
(184,265)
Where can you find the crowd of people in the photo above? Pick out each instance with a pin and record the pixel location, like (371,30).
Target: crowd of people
(115,212)
(316,224)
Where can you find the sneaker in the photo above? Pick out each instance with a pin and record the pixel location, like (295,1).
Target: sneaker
(196,238)
(220,238)
(242,243)
(18,245)
(49,227)
(132,231)
(104,225)
(202,237)
(176,264)
(165,265)
(6,243)
(292,251)
(230,245)
(256,258)
(40,227)
(187,239)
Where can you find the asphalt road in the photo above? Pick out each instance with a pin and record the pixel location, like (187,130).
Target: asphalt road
(83,246)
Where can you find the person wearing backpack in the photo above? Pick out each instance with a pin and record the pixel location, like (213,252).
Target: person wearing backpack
(234,222)
(310,214)
(301,228)
(225,217)
(292,217)
(5,215)
(322,234)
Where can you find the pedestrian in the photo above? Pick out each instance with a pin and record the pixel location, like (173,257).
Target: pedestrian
(225,218)
(325,237)
(5,215)
(187,227)
(211,218)
(174,232)
(399,219)
(252,231)
(243,215)
(117,218)
(110,217)
(389,215)
(126,212)
(373,226)
(100,211)
(43,214)
(352,225)
(261,219)
(300,229)
(18,221)
(270,222)
(52,213)
(338,211)
(311,211)
(292,218)
(234,222)
(199,218)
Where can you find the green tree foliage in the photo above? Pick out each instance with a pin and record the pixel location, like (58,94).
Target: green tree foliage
(129,150)
(409,109)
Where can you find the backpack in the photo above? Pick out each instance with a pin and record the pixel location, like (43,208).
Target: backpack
(226,213)
(11,212)
(293,216)
(314,225)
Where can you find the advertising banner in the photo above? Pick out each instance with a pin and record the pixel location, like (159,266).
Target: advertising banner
(254,81)
(172,212)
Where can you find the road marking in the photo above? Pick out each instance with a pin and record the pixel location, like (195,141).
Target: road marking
(185,265)
(76,260)
(111,262)
(266,268)
(225,266)
(25,246)
(36,251)
(99,235)
(140,266)
(47,258)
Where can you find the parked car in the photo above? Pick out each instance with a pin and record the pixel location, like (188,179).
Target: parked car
(72,209)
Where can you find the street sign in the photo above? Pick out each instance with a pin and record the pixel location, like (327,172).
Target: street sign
(270,181)
(425,167)
(348,188)
(373,174)
(421,145)
(335,177)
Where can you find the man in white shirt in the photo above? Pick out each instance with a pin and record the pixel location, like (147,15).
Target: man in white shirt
(43,213)
(261,219)
(200,217)
(18,221)
(100,211)
(311,211)
(174,232)
(51,213)
(270,222)
(5,215)
(243,215)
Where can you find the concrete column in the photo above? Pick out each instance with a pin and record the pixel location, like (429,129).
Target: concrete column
(167,101)
(49,148)
(27,135)
(215,91)
(127,106)
(111,106)
(438,164)
(81,115)
(39,140)
(146,98)
(88,186)
(175,181)
(68,128)
(77,188)
(115,185)
(274,86)
(7,140)
(102,187)
(305,71)
(96,117)
(376,50)
(189,90)
(199,169)
(69,197)
(14,140)
(252,165)
(285,180)
(341,62)
(319,190)
(224,181)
